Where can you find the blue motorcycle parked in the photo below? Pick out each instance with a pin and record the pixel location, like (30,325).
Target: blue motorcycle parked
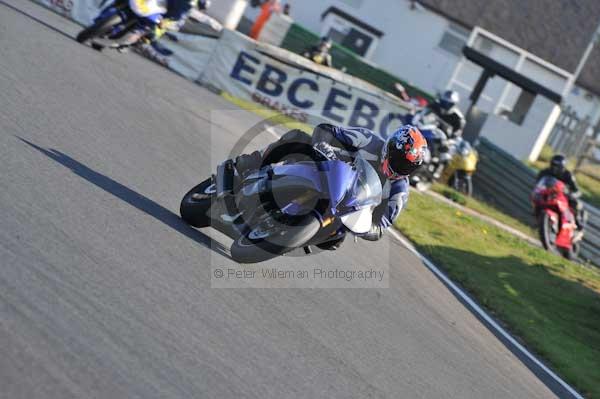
(285,206)
(117,26)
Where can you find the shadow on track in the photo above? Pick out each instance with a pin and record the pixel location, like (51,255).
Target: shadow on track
(132,197)
(39,21)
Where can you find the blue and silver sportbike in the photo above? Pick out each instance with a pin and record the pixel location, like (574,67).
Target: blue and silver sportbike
(117,26)
(287,205)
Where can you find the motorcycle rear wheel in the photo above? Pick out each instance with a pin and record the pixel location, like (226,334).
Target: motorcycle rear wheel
(573,253)
(195,205)
(269,239)
(462,183)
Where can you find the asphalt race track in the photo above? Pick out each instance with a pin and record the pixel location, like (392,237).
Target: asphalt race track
(105,293)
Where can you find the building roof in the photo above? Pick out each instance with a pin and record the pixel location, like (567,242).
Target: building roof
(555,30)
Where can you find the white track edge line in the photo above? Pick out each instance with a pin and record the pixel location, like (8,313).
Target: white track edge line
(482,313)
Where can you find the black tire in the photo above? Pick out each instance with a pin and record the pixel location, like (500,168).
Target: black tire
(547,236)
(281,239)
(98,29)
(194,211)
(462,183)
(573,254)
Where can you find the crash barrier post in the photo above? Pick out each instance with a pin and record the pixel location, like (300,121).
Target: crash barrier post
(506,183)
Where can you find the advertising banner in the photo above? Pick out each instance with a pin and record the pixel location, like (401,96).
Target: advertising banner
(295,86)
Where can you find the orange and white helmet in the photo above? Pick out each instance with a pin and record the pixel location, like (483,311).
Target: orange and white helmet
(403,152)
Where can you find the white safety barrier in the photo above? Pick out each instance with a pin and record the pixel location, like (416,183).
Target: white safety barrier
(275,30)
(82,11)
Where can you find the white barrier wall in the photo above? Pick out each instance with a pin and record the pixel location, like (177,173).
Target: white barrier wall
(82,11)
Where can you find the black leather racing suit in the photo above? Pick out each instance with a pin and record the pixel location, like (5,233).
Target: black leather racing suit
(452,117)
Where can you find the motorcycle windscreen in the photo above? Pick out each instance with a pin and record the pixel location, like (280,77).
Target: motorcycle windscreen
(549,183)
(365,195)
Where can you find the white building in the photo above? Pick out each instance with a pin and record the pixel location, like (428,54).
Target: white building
(421,41)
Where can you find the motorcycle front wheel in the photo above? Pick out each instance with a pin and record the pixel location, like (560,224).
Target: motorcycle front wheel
(547,233)
(462,183)
(270,238)
(98,29)
(195,205)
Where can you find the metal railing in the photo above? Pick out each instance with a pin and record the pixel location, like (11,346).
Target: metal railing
(572,136)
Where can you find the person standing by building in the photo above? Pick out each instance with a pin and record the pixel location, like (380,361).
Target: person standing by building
(267,8)
(319,54)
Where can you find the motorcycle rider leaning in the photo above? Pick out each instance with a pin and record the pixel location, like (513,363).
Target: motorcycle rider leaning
(153,25)
(394,159)
(446,109)
(558,169)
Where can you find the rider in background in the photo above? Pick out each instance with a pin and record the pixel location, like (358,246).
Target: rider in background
(153,25)
(558,169)
(394,159)
(173,20)
(445,108)
(319,54)
(179,10)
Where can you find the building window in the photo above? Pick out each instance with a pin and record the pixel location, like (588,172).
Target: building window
(350,32)
(351,38)
(454,39)
(521,107)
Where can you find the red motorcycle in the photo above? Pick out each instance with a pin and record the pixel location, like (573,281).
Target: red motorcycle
(556,220)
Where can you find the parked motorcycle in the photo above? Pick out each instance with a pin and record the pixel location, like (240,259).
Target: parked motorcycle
(284,206)
(114,26)
(556,220)
(463,163)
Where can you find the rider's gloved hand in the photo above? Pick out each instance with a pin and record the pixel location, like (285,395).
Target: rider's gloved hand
(325,149)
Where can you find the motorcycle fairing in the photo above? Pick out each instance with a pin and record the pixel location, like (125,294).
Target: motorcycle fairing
(148,8)
(357,188)
(549,196)
(331,178)
(359,222)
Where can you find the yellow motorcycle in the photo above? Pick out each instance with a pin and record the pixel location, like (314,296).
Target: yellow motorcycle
(463,163)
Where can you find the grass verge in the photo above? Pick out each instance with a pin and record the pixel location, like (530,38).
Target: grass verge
(484,209)
(553,305)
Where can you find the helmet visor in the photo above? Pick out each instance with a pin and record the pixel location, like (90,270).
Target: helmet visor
(389,173)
